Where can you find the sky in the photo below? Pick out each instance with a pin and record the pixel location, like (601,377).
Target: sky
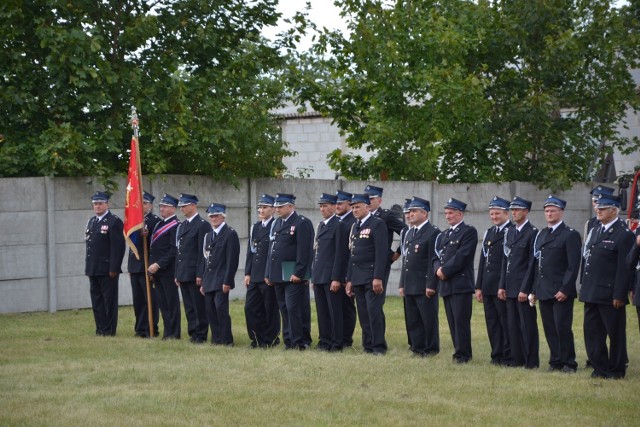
(323,13)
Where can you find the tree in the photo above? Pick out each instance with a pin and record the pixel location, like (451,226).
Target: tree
(475,91)
(200,74)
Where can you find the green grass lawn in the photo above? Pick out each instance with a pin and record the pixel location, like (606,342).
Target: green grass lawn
(54,371)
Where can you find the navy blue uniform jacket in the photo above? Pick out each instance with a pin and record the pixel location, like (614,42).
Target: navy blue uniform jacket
(222,255)
(457,251)
(163,249)
(258,251)
(606,275)
(558,262)
(417,268)
(490,266)
(518,266)
(105,245)
(369,252)
(633,258)
(329,247)
(189,239)
(292,241)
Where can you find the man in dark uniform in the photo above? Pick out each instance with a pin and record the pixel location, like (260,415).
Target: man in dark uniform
(261,307)
(516,284)
(488,281)
(453,265)
(557,250)
(365,275)
(190,266)
(345,215)
(418,285)
(288,269)
(605,286)
(221,251)
(399,251)
(633,262)
(105,250)
(138,275)
(162,259)
(327,276)
(393,223)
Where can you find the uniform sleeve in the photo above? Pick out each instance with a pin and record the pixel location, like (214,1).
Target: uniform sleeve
(249,257)
(169,257)
(233,258)
(432,282)
(203,229)
(304,248)
(624,275)
(573,249)
(464,254)
(382,248)
(341,252)
(116,246)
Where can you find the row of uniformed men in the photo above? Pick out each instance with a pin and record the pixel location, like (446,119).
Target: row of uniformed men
(351,252)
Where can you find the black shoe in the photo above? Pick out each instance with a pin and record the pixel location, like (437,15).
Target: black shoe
(568,370)
(554,368)
(303,347)
(596,374)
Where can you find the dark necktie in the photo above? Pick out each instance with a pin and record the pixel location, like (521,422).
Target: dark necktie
(359,224)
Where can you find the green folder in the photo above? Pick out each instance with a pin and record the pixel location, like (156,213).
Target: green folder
(288,268)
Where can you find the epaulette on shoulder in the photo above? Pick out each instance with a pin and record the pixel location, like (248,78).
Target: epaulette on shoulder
(202,219)
(115,216)
(435,227)
(571,229)
(534,228)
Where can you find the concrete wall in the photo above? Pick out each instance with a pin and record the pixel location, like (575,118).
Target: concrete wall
(42,224)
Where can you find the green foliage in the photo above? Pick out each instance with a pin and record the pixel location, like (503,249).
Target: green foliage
(462,91)
(199,73)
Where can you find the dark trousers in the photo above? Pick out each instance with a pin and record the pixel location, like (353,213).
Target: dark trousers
(104,302)
(330,322)
(291,300)
(262,315)
(194,309)
(421,318)
(522,327)
(458,309)
(217,305)
(348,318)
(602,321)
(495,317)
(371,316)
(140,307)
(169,305)
(557,320)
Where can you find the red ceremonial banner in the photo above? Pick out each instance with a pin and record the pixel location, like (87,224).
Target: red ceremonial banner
(133,213)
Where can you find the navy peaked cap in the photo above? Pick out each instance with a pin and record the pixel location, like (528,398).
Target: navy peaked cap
(169,200)
(147,197)
(418,203)
(520,203)
(555,201)
(266,200)
(360,198)
(607,201)
(343,196)
(328,198)
(498,203)
(373,191)
(601,189)
(284,199)
(187,199)
(216,209)
(455,204)
(100,196)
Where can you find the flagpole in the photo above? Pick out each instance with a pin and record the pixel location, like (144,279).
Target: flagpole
(144,231)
